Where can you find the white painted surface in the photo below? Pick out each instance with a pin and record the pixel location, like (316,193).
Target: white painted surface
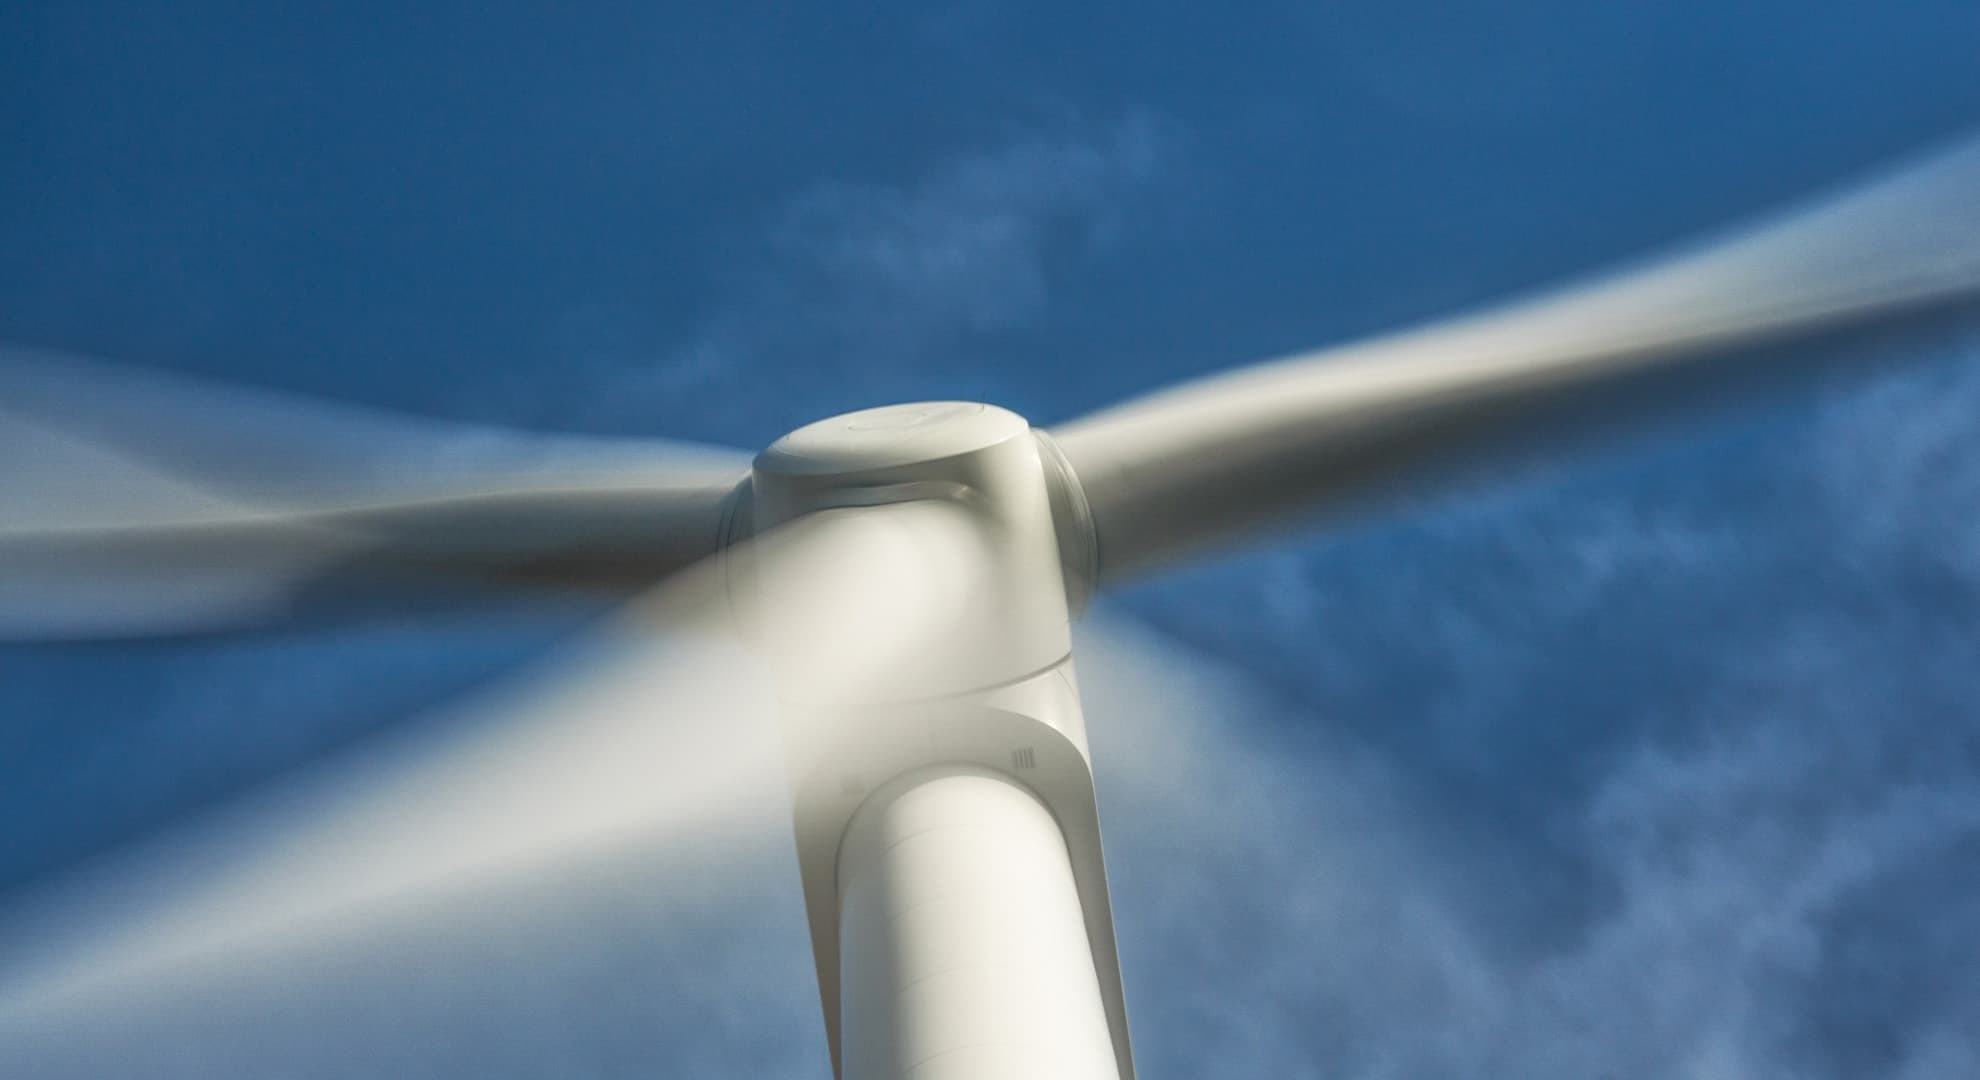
(965,951)
(904,553)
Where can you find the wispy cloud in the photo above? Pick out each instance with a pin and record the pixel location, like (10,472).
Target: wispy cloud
(861,286)
(966,248)
(1900,455)
(1301,908)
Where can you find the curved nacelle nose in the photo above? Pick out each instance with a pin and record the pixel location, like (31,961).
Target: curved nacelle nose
(949,530)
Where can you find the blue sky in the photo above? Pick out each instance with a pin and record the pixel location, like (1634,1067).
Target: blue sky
(1654,761)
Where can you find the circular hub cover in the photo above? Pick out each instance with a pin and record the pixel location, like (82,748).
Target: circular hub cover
(890,436)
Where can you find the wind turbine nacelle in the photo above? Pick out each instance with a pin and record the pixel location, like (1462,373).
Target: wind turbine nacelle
(945,531)
(908,573)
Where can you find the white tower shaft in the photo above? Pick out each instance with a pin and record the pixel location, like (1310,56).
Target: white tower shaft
(908,578)
(965,953)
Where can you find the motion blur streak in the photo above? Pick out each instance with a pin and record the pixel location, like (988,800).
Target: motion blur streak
(647,737)
(1176,472)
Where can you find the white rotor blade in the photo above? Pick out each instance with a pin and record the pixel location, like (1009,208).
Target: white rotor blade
(1171,474)
(139,503)
(661,730)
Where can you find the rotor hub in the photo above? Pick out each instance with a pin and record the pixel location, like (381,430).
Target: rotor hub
(890,437)
(985,456)
(952,502)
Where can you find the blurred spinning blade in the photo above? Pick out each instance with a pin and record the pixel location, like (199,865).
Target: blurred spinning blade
(659,731)
(135,503)
(653,733)
(1213,462)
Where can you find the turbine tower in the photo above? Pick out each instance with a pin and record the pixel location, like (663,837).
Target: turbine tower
(910,573)
(947,832)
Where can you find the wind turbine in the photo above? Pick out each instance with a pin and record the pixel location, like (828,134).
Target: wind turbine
(908,572)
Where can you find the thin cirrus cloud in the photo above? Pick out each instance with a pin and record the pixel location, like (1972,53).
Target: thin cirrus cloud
(1901,457)
(862,283)
(1759,893)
